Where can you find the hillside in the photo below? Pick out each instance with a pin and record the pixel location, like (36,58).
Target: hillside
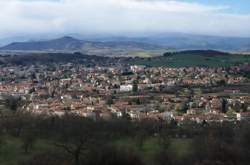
(65,43)
(188,41)
(193,58)
(70,44)
(142,45)
(207,53)
(49,58)
(180,41)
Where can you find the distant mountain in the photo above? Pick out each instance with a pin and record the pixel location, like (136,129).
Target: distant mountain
(65,43)
(180,41)
(185,41)
(144,45)
(70,44)
(6,40)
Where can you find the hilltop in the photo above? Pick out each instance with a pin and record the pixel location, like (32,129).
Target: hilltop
(147,45)
(208,53)
(70,44)
(193,58)
(182,41)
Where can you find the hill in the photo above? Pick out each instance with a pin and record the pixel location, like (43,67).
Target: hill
(193,58)
(190,58)
(70,44)
(143,45)
(208,53)
(181,41)
(188,41)
(65,43)
(50,58)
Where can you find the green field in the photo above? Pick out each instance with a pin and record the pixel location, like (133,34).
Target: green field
(191,60)
(178,147)
(148,53)
(12,153)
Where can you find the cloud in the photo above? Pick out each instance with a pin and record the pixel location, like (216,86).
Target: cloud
(168,6)
(20,17)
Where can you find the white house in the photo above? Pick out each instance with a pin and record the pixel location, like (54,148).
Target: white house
(126,88)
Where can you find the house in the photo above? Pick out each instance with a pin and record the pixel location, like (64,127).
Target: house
(2,102)
(137,68)
(167,116)
(126,88)
(244,116)
(215,105)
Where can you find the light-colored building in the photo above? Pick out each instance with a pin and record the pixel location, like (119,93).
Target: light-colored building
(126,88)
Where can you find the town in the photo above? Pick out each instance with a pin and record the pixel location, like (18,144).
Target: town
(124,82)
(137,92)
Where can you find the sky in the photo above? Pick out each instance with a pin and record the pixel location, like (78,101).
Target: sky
(208,17)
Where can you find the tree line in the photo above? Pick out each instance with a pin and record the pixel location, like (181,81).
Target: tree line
(74,140)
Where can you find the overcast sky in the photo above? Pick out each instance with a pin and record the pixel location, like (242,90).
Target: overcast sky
(212,17)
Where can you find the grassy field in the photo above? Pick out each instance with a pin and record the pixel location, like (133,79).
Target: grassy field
(12,153)
(178,147)
(190,60)
(148,53)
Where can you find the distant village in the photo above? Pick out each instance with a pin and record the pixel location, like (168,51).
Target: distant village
(136,92)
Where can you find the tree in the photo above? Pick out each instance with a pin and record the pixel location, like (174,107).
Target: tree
(76,135)
(224,105)
(138,101)
(244,107)
(162,157)
(51,158)
(221,83)
(215,145)
(13,103)
(135,87)
(109,101)
(161,108)
(28,139)
(164,140)
(140,138)
(231,113)
(109,155)
(2,142)
(142,132)
(182,107)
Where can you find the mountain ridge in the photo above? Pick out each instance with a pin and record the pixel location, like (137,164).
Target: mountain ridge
(70,44)
(118,45)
